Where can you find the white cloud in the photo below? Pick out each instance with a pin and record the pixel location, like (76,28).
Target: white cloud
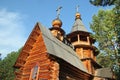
(11,31)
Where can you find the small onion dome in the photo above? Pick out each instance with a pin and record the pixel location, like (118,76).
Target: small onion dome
(77,15)
(57,23)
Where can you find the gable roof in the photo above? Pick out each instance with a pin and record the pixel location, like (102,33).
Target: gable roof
(54,47)
(60,50)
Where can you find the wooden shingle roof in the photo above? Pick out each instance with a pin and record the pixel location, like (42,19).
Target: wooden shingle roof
(54,47)
(60,50)
(78,26)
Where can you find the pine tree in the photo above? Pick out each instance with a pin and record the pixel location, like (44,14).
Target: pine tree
(6,66)
(116,12)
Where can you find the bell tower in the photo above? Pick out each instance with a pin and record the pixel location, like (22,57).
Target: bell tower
(83,43)
(56,29)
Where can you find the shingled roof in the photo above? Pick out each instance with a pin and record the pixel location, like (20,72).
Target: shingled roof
(78,26)
(60,50)
(104,73)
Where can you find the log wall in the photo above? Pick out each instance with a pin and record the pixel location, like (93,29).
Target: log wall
(48,69)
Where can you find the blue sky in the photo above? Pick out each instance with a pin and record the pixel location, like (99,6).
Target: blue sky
(18,17)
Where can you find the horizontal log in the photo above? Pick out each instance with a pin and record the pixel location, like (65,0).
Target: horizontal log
(26,73)
(18,78)
(38,32)
(24,57)
(27,47)
(39,46)
(38,55)
(24,78)
(28,69)
(39,50)
(44,67)
(25,51)
(18,73)
(31,40)
(41,62)
(40,38)
(44,71)
(35,34)
(29,44)
(45,76)
(19,64)
(37,59)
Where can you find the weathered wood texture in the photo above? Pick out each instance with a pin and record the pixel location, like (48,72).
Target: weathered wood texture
(27,47)
(84,48)
(69,72)
(36,54)
(49,67)
(86,54)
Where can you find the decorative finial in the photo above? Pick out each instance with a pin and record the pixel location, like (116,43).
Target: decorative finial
(77,15)
(77,7)
(58,11)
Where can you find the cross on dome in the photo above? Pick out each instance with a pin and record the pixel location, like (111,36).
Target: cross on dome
(58,11)
(77,7)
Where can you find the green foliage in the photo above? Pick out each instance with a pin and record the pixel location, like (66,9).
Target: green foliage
(116,24)
(105,60)
(102,2)
(6,66)
(104,31)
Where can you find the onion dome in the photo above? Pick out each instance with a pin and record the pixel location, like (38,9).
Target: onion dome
(77,15)
(57,23)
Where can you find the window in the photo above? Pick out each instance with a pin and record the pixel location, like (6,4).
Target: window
(34,73)
(83,38)
(73,39)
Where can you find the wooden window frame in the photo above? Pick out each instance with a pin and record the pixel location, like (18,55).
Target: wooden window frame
(37,73)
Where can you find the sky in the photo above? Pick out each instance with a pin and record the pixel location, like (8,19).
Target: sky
(18,17)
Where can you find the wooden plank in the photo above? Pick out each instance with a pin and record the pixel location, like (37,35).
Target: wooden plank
(40,46)
(39,55)
(23,57)
(44,67)
(38,58)
(45,76)
(44,71)
(35,34)
(20,64)
(41,62)
(39,50)
(25,51)
(31,40)
(26,73)
(27,47)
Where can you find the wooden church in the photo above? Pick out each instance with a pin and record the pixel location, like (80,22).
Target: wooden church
(50,54)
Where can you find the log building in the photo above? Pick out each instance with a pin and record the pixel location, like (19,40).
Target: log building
(50,54)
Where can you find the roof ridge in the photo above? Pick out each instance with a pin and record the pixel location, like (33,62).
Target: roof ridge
(60,50)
